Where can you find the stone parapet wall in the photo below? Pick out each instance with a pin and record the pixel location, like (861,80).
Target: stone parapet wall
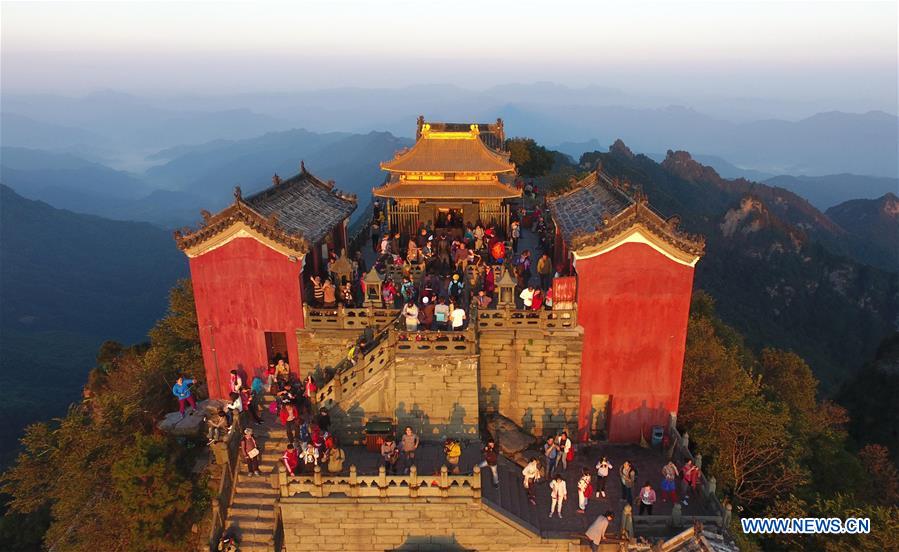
(322,349)
(363,525)
(532,377)
(437,395)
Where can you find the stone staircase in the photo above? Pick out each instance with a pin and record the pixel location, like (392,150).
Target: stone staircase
(252,514)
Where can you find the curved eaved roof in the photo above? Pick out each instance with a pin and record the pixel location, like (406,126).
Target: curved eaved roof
(450,151)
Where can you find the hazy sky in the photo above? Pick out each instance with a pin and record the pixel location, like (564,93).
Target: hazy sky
(843,51)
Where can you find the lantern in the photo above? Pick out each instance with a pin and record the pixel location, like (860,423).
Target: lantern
(372,282)
(506,286)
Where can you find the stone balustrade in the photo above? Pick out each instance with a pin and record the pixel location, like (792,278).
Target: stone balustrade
(437,342)
(347,318)
(353,485)
(509,318)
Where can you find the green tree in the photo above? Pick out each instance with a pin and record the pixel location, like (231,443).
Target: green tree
(531,159)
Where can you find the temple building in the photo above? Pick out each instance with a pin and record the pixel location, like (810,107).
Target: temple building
(635,280)
(247,265)
(454,174)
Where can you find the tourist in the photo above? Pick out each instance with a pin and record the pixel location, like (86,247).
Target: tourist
(250,452)
(323,419)
(282,371)
(182,392)
(303,433)
(407,290)
(309,458)
(597,530)
(426,314)
(584,490)
(385,244)
(548,299)
(453,451)
(558,492)
(309,391)
(457,317)
(527,296)
(489,459)
(482,301)
(388,293)
(236,382)
(233,407)
(461,258)
(250,404)
(628,475)
(566,452)
(545,271)
(669,482)
(647,499)
(409,444)
(336,458)
(455,289)
(551,451)
(516,235)
(524,264)
(346,295)
(290,419)
(329,294)
(389,454)
(537,300)
(531,474)
(691,479)
(375,236)
(270,376)
(602,473)
(410,314)
(318,291)
(217,426)
(441,314)
(291,460)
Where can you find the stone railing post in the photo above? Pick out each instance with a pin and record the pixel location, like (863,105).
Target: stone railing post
(382,481)
(282,481)
(476,484)
(627,521)
(354,482)
(676,515)
(726,517)
(444,481)
(711,485)
(317,481)
(413,481)
(685,442)
(697,459)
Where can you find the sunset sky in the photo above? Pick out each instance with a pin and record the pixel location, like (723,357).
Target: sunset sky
(846,51)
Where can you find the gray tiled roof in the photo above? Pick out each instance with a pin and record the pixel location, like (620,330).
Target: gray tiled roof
(304,204)
(584,207)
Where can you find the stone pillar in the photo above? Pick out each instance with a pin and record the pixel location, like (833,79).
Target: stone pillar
(676,515)
(627,521)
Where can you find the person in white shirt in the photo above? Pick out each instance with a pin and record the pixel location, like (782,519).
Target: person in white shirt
(559,492)
(457,316)
(564,444)
(531,473)
(602,473)
(527,296)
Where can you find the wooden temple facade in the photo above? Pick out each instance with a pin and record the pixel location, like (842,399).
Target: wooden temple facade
(454,174)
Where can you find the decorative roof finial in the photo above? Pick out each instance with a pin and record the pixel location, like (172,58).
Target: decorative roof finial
(238,195)
(302,166)
(276,180)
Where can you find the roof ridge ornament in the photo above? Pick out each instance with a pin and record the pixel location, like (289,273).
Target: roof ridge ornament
(238,194)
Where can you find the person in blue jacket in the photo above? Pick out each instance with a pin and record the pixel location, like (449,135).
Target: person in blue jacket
(181,390)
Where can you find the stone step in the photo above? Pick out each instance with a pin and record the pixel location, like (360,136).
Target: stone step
(255,498)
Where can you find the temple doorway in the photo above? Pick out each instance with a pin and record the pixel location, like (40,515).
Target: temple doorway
(449,217)
(276,346)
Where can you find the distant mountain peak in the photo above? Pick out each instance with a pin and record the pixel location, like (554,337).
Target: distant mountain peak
(620,148)
(682,164)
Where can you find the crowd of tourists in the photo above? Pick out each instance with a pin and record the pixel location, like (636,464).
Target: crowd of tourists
(558,452)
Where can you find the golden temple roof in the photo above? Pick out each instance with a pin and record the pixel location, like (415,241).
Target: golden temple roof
(447,189)
(450,151)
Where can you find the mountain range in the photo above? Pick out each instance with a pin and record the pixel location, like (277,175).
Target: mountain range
(69,282)
(125,129)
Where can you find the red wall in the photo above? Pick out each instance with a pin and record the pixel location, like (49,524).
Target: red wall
(242,290)
(633,303)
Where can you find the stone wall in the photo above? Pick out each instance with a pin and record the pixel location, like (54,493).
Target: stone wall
(437,395)
(322,348)
(406,524)
(532,376)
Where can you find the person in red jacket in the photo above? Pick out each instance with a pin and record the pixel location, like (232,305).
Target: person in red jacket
(291,459)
